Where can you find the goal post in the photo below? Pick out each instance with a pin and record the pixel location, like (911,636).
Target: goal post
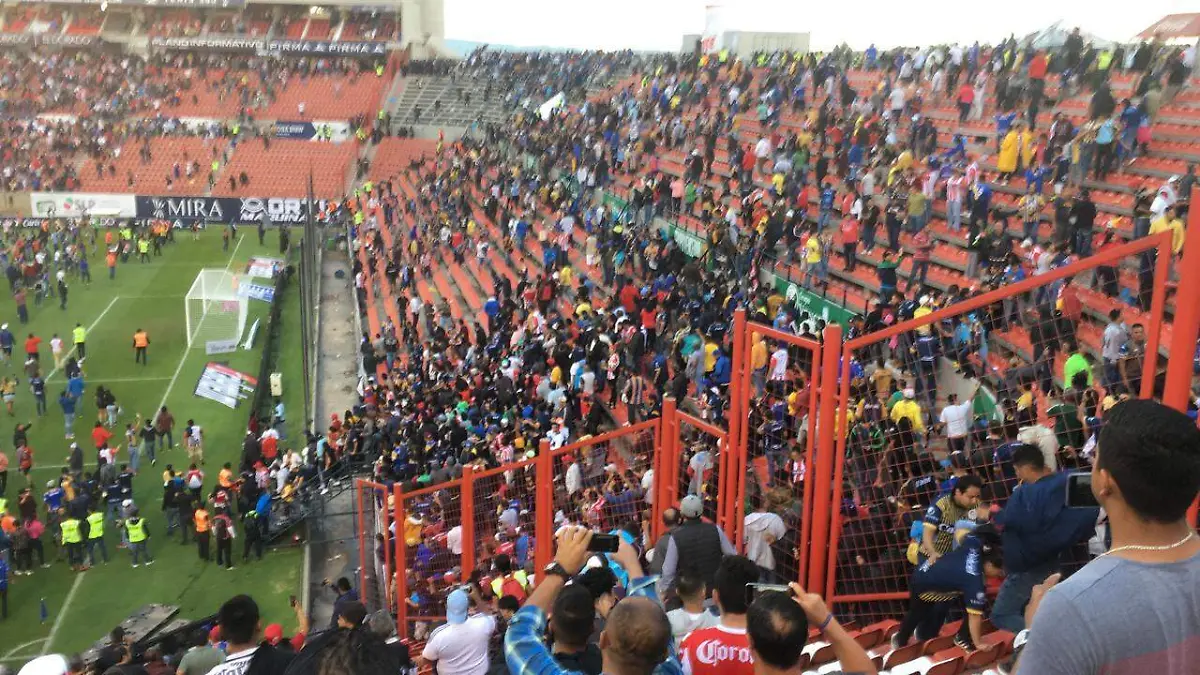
(215,311)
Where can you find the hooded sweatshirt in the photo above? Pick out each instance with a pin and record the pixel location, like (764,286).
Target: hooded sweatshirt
(761,530)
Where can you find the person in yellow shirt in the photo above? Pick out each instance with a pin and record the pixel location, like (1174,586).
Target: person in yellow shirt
(710,355)
(908,407)
(1170,221)
(759,358)
(774,300)
(812,258)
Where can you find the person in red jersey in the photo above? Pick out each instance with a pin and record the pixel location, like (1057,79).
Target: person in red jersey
(724,649)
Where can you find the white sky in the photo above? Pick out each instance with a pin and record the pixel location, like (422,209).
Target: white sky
(660,24)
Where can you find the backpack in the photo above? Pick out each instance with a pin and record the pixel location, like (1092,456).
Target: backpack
(510,586)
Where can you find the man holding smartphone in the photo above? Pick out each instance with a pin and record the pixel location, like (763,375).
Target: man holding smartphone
(636,638)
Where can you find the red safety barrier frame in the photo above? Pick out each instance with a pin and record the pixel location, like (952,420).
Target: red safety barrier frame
(813,509)
(840,402)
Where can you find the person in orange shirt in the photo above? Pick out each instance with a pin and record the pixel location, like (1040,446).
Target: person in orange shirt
(225,476)
(110,259)
(31,346)
(141,340)
(100,435)
(203,524)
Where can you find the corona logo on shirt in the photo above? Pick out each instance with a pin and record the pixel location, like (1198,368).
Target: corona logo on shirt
(712,652)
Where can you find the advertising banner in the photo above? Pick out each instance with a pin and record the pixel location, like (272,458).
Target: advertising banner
(216,43)
(808,302)
(224,385)
(316,130)
(216,210)
(48,40)
(256,291)
(265,267)
(310,47)
(279,47)
(75,204)
(155,3)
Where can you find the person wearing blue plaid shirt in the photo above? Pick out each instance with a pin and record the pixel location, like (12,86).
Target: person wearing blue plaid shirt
(636,639)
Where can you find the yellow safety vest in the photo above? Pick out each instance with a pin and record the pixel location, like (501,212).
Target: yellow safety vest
(358,218)
(80,334)
(70,531)
(95,525)
(137,531)
(143,246)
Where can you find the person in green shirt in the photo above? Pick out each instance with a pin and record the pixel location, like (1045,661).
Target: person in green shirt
(1068,426)
(1078,365)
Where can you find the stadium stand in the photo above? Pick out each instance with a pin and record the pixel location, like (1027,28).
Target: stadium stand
(282,167)
(587,266)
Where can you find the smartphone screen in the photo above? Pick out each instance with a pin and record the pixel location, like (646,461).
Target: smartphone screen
(604,543)
(753,590)
(1079,491)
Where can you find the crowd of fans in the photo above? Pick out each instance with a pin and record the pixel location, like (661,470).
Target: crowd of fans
(599,608)
(555,344)
(100,102)
(620,316)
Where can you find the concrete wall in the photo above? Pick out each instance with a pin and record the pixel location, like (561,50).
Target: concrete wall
(745,43)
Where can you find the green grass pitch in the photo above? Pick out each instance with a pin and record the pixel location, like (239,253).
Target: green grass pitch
(84,606)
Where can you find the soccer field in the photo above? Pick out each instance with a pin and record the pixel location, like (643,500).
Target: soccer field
(82,607)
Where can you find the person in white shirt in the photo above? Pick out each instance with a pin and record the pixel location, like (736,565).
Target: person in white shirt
(460,646)
(956,420)
(764,527)
(694,614)
(574,477)
(779,364)
(955,186)
(558,432)
(896,101)
(454,540)
(56,348)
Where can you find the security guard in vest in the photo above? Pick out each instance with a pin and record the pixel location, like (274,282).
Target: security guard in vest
(203,526)
(143,245)
(135,530)
(72,539)
(95,535)
(141,340)
(79,337)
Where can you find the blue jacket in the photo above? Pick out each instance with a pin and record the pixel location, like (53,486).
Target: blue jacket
(1038,526)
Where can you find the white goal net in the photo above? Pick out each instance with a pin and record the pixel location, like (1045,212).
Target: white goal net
(215,311)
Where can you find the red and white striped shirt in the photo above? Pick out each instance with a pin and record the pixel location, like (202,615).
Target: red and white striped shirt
(954,189)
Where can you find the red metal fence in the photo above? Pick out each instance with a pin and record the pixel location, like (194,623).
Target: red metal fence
(847,441)
(944,394)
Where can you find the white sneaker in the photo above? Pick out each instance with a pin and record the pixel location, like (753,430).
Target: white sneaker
(135,565)
(149,563)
